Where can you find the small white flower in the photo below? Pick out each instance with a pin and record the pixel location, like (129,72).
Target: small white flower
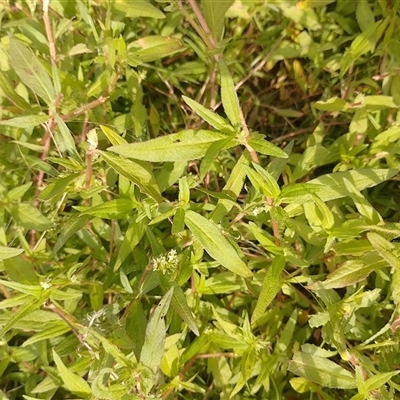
(257,210)
(46,284)
(166,263)
(172,255)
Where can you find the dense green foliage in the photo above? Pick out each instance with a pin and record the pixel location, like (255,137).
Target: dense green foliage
(199,200)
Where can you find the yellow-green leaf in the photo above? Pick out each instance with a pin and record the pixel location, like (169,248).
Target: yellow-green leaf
(215,243)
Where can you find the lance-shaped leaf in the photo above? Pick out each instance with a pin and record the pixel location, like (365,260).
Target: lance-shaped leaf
(232,188)
(139,173)
(386,249)
(214,12)
(20,270)
(229,97)
(351,272)
(299,193)
(117,208)
(57,187)
(152,48)
(179,303)
(272,283)
(321,371)
(363,206)
(57,328)
(137,9)
(31,305)
(27,121)
(182,146)
(215,243)
(107,391)
(362,178)
(31,71)
(29,217)
(9,92)
(112,136)
(215,120)
(264,147)
(9,252)
(74,224)
(72,382)
(266,188)
(154,341)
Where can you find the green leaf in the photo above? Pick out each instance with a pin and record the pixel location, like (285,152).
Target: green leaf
(271,285)
(33,290)
(214,13)
(154,342)
(277,165)
(365,16)
(378,102)
(10,92)
(350,272)
(353,247)
(179,303)
(229,97)
(334,104)
(56,329)
(321,371)
(385,249)
(216,245)
(178,224)
(327,221)
(299,193)
(138,9)
(117,208)
(232,188)
(265,239)
(264,147)
(224,282)
(362,178)
(152,48)
(112,349)
(72,382)
(33,304)
(9,252)
(27,121)
(139,173)
(74,224)
(304,16)
(20,270)
(363,206)
(112,136)
(209,116)
(304,4)
(378,380)
(135,326)
(63,137)
(248,362)
(31,71)
(225,341)
(29,217)
(263,187)
(133,236)
(57,187)
(111,391)
(183,146)
(17,192)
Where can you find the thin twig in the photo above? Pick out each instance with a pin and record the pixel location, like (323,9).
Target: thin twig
(86,107)
(49,31)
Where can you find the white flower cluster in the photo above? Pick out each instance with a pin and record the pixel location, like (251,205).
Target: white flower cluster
(258,210)
(166,262)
